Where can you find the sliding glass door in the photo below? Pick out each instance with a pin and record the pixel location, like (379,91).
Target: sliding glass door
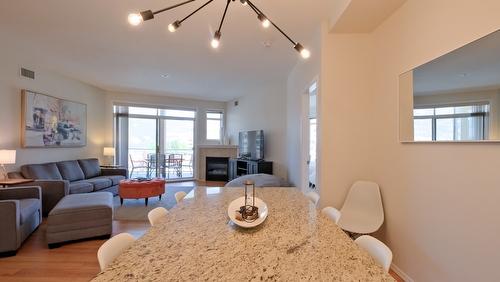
(178,144)
(156,142)
(142,147)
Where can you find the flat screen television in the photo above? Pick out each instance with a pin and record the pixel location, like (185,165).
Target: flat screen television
(251,145)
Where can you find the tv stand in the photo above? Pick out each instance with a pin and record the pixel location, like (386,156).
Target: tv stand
(240,167)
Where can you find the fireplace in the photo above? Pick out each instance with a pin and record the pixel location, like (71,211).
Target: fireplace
(217,169)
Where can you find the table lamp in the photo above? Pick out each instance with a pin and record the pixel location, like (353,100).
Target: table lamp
(6,157)
(110,153)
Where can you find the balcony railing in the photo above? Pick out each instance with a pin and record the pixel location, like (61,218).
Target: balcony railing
(141,164)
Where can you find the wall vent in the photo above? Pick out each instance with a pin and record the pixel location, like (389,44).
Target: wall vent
(27,73)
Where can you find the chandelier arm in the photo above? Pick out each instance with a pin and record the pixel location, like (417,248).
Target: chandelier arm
(257,11)
(224,15)
(172,7)
(195,11)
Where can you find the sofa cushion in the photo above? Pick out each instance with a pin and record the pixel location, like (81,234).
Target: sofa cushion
(100,183)
(41,171)
(81,186)
(115,179)
(70,170)
(28,207)
(90,167)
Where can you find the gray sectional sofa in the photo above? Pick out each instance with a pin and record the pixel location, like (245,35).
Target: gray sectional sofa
(71,177)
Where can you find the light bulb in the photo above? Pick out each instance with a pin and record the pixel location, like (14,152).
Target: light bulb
(305,54)
(215,43)
(174,26)
(265,21)
(134,19)
(216,40)
(244,2)
(303,51)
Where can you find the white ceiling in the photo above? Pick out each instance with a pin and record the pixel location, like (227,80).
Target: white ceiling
(91,40)
(475,66)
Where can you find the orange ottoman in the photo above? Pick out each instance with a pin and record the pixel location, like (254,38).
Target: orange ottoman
(138,189)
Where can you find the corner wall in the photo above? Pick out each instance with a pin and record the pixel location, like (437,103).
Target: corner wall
(299,80)
(441,201)
(262,108)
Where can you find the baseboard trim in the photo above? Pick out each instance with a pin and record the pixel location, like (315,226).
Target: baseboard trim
(401,273)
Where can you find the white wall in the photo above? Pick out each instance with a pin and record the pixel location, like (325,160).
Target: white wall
(300,79)
(262,108)
(52,84)
(441,201)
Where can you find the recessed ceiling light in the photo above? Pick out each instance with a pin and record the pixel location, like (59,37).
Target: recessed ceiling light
(165,75)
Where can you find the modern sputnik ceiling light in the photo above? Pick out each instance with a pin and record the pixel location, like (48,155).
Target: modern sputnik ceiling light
(137,19)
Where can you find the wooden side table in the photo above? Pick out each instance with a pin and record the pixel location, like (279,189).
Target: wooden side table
(15,181)
(111,166)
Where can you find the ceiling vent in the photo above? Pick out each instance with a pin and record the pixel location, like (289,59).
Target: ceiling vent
(27,73)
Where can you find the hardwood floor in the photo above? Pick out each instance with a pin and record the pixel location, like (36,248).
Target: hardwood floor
(72,262)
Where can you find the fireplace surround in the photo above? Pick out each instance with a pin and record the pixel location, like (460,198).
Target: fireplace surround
(216,168)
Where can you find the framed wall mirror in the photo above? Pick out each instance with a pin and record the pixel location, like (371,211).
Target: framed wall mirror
(454,98)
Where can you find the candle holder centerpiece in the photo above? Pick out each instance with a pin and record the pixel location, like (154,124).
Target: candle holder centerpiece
(248,211)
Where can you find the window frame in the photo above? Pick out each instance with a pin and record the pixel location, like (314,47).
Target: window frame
(435,117)
(222,124)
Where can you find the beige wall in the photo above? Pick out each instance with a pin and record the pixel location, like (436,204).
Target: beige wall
(441,200)
(262,108)
(53,84)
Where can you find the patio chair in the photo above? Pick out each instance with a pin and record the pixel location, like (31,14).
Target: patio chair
(137,165)
(188,163)
(152,166)
(175,163)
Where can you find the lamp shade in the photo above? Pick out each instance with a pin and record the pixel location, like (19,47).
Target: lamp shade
(7,156)
(109,151)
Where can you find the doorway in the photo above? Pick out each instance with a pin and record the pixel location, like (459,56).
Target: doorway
(309,131)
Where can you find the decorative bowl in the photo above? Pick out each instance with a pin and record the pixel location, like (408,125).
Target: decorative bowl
(235,206)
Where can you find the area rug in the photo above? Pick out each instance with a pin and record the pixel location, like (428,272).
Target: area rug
(136,210)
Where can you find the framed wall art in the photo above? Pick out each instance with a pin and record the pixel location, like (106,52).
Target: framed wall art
(49,122)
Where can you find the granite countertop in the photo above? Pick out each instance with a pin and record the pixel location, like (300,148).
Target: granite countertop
(196,242)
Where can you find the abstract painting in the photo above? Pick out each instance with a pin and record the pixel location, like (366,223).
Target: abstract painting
(52,122)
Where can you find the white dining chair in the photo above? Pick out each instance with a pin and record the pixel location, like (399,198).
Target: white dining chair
(332,213)
(313,197)
(157,214)
(113,248)
(179,196)
(377,250)
(362,212)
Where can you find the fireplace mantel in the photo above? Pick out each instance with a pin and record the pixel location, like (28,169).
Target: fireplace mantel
(217,147)
(204,151)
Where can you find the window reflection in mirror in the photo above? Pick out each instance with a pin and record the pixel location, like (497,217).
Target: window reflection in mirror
(455,97)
